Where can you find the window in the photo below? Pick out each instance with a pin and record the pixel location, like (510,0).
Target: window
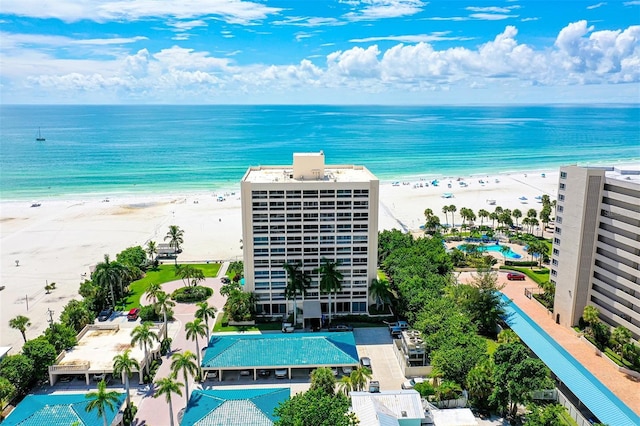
(560,197)
(256,195)
(558,219)
(563,175)
(558,230)
(260,241)
(554,262)
(562,185)
(554,272)
(556,252)
(344,193)
(309,194)
(560,209)
(556,241)
(276,194)
(359,306)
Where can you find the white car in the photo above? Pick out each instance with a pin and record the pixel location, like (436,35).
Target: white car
(409,384)
(287,327)
(346,370)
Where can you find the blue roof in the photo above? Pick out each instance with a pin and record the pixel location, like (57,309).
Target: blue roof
(280,350)
(607,407)
(58,410)
(234,407)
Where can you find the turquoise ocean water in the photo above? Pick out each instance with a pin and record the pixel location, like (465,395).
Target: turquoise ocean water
(98,150)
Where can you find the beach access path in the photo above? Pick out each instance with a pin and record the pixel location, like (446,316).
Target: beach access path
(624,387)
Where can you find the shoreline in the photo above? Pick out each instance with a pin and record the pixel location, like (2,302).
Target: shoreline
(157,190)
(62,239)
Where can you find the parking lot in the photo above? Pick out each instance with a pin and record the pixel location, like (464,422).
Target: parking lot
(376,344)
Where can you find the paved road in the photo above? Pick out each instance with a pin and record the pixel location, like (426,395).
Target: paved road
(155,411)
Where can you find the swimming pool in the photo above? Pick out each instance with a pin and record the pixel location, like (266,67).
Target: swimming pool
(495,248)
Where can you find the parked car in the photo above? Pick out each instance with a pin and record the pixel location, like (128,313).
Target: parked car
(346,370)
(334,370)
(409,384)
(133,314)
(245,372)
(264,373)
(105,314)
(282,373)
(287,327)
(211,375)
(515,276)
(225,280)
(374,386)
(341,327)
(365,361)
(101,377)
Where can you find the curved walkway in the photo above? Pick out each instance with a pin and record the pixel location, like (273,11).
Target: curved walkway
(624,387)
(155,411)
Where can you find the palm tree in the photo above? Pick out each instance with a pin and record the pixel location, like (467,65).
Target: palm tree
(445,210)
(101,400)
(175,237)
(453,209)
(493,216)
(167,386)
(143,335)
(359,378)
(184,362)
(205,313)
(330,279)
(196,329)
(517,214)
(380,292)
(345,385)
(125,365)
(107,274)
(483,214)
(20,323)
(447,390)
(152,292)
(151,249)
(621,336)
(163,305)
(590,315)
(504,250)
(298,281)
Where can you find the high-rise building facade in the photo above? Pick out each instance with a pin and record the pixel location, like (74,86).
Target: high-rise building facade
(596,246)
(302,214)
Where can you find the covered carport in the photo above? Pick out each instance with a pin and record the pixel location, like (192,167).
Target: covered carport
(297,353)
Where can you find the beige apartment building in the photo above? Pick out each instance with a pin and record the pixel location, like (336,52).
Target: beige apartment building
(301,214)
(596,247)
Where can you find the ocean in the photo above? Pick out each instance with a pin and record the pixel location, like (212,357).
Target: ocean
(101,150)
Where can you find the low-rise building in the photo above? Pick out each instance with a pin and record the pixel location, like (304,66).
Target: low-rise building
(388,408)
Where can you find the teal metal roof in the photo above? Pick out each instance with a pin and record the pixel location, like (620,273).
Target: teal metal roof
(251,407)
(280,350)
(58,410)
(607,407)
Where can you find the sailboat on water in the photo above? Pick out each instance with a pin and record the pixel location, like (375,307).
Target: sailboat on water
(39,136)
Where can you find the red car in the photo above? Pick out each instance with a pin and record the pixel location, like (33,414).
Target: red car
(133,314)
(514,276)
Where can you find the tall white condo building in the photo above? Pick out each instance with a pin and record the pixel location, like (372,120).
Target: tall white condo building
(301,214)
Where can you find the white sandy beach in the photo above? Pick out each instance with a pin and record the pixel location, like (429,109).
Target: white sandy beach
(60,240)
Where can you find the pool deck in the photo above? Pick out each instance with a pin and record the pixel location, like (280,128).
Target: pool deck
(624,387)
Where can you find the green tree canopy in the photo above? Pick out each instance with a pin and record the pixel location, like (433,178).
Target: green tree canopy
(61,336)
(76,314)
(18,369)
(315,408)
(323,378)
(42,353)
(102,401)
(20,323)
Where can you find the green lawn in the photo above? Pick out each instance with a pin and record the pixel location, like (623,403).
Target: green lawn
(539,275)
(163,274)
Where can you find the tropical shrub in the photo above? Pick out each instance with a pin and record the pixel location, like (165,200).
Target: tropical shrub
(148,313)
(191,294)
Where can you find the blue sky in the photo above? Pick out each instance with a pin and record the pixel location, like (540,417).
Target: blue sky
(319,51)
